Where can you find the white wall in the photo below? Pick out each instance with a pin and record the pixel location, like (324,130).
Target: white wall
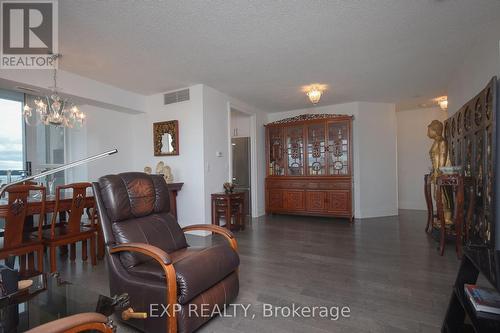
(217,133)
(479,65)
(413,154)
(377,146)
(203,131)
(374,154)
(85,90)
(187,167)
(105,130)
(258,152)
(240,124)
(215,140)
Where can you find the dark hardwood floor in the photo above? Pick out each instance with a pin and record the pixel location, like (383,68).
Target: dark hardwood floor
(386,270)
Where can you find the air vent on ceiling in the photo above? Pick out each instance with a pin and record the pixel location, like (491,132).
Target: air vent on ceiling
(176,96)
(26,89)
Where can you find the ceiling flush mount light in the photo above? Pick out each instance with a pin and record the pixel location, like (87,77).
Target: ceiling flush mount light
(442,102)
(53,109)
(314,93)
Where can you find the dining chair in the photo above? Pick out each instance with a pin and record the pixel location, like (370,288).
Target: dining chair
(92,213)
(71,231)
(18,237)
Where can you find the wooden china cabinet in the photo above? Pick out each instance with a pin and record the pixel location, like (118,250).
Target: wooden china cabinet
(309,165)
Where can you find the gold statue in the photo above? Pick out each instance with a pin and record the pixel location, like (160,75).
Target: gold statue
(439,158)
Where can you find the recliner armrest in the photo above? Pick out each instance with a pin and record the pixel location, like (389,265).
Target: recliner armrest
(146,249)
(165,261)
(216,229)
(81,322)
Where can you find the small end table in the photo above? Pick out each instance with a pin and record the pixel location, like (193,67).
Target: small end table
(458,183)
(229,205)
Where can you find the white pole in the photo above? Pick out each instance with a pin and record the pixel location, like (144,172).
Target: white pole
(61,168)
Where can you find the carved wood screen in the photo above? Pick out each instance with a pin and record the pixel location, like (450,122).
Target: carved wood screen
(471,136)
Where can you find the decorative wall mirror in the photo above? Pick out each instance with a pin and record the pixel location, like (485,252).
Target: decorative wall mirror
(166,138)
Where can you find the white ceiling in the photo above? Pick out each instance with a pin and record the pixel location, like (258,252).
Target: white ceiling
(262,52)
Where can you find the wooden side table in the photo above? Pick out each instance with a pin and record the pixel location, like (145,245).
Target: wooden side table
(174,188)
(458,183)
(229,205)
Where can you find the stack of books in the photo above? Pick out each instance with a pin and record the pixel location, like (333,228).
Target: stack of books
(483,299)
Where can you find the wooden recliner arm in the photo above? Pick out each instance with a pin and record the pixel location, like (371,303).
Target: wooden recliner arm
(165,261)
(217,229)
(81,322)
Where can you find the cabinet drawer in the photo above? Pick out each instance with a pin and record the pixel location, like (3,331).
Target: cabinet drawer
(275,200)
(316,201)
(295,200)
(338,201)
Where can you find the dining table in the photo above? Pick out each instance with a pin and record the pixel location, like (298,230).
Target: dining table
(34,208)
(34,204)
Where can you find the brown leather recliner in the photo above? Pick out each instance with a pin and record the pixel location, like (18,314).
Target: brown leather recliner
(148,256)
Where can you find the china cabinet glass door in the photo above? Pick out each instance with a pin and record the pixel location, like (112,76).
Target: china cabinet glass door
(295,150)
(276,152)
(316,150)
(338,148)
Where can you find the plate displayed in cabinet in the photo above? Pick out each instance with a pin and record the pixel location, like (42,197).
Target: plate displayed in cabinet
(338,165)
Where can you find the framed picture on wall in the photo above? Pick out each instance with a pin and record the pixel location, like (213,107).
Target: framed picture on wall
(166,138)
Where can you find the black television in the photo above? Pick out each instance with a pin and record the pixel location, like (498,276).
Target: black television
(472,136)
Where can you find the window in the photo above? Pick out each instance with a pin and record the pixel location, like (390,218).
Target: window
(12,148)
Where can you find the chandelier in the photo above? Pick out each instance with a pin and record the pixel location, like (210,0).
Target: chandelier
(442,102)
(314,92)
(53,109)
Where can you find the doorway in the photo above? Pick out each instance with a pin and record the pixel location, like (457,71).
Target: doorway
(241,155)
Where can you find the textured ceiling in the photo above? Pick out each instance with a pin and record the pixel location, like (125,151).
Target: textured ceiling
(262,52)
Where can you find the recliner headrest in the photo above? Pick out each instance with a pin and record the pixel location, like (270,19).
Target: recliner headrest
(133,194)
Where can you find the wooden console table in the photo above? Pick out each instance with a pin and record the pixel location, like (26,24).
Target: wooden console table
(458,184)
(174,188)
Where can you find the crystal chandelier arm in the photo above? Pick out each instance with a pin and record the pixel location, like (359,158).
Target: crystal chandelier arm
(55,58)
